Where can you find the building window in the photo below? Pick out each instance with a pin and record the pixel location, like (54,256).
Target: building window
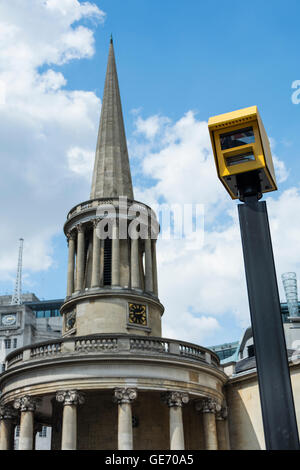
(251,352)
(7,343)
(43,432)
(47,313)
(15,342)
(3,367)
(17,432)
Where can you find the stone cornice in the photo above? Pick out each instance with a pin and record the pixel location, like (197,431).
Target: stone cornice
(146,359)
(58,368)
(87,211)
(110,292)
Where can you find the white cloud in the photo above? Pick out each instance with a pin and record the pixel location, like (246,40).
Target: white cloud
(281,171)
(152,126)
(207,281)
(39,32)
(180,160)
(81,161)
(48,133)
(187,327)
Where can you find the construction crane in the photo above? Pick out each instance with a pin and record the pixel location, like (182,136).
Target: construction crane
(17,296)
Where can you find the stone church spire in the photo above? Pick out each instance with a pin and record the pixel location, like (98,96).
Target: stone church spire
(112,282)
(111,176)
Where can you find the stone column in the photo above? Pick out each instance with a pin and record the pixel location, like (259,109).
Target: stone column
(70,400)
(115,256)
(71,264)
(27,406)
(154,267)
(7,426)
(222,429)
(209,407)
(96,257)
(175,401)
(148,266)
(124,397)
(135,265)
(80,258)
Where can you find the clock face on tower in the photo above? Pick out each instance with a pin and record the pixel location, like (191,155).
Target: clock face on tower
(138,314)
(9,319)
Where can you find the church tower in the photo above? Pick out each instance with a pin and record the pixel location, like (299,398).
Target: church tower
(112,381)
(112,273)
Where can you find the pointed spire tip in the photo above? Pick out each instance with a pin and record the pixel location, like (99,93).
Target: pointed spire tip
(111,175)
(111,39)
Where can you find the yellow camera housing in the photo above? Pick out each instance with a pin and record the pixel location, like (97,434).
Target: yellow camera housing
(240,145)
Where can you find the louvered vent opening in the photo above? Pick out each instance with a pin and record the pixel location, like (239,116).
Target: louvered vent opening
(107,262)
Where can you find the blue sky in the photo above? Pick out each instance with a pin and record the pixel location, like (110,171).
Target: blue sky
(211,57)
(178,64)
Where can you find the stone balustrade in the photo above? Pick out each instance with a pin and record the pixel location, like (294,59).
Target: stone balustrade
(112,344)
(94,203)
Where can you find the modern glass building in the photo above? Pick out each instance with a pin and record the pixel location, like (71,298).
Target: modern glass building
(245,348)
(45,308)
(225,350)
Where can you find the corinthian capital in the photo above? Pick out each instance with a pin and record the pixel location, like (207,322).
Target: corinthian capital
(175,398)
(71,235)
(25,403)
(208,405)
(222,413)
(95,222)
(80,227)
(125,395)
(7,412)
(70,397)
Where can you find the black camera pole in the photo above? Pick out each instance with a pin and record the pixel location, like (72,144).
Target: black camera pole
(277,403)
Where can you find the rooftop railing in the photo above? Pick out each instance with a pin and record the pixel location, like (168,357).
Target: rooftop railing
(114,344)
(94,203)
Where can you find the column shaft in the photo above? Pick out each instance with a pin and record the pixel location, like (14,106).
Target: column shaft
(154,267)
(71,264)
(175,401)
(115,261)
(135,265)
(80,259)
(26,430)
(6,434)
(69,428)
(96,259)
(176,428)
(222,433)
(210,431)
(148,266)
(70,399)
(124,397)
(125,441)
